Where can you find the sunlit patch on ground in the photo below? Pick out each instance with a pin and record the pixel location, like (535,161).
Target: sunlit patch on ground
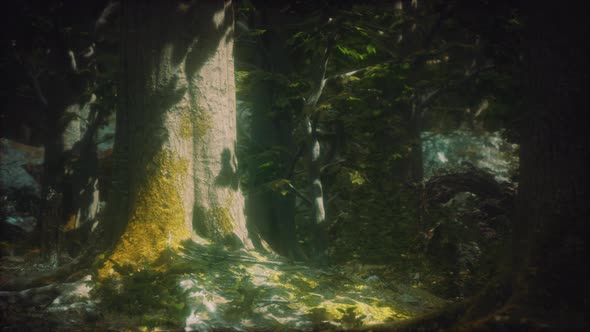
(242,289)
(207,287)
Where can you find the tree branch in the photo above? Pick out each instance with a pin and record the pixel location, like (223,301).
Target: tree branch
(431,96)
(360,70)
(300,194)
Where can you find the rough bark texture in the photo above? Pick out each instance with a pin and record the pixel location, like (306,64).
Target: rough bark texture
(219,205)
(551,232)
(547,284)
(176,131)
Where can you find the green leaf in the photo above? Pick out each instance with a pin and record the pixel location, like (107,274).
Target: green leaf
(356,178)
(267,164)
(350,52)
(257,32)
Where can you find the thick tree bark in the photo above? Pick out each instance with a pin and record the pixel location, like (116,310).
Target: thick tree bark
(551,222)
(175,163)
(546,280)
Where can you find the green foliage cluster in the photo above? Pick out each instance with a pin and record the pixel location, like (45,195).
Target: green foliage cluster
(391,75)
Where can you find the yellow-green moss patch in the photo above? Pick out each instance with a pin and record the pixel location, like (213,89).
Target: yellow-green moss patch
(202,123)
(186,125)
(215,223)
(157,218)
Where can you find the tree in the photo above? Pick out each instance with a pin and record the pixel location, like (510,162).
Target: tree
(550,271)
(53,55)
(174,157)
(269,140)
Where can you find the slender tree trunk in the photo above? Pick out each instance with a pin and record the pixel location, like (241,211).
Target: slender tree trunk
(57,192)
(313,155)
(52,209)
(175,162)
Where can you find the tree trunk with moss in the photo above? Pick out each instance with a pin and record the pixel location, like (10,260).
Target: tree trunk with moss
(175,167)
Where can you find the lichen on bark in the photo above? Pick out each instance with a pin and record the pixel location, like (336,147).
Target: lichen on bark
(186,126)
(157,216)
(202,122)
(195,122)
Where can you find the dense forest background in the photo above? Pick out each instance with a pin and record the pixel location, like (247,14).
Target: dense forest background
(294,165)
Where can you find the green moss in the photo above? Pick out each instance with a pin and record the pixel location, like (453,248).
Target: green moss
(151,297)
(202,123)
(194,123)
(186,125)
(215,223)
(157,218)
(358,313)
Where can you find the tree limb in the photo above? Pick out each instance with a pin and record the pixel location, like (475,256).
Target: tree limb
(431,96)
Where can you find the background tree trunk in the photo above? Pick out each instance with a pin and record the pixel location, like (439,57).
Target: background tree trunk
(271,211)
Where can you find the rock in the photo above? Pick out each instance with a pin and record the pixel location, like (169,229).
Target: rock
(14,160)
(26,224)
(15,227)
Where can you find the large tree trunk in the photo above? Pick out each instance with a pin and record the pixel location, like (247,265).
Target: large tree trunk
(543,285)
(551,223)
(548,275)
(176,169)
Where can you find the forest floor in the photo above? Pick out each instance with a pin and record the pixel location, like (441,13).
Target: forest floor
(212,288)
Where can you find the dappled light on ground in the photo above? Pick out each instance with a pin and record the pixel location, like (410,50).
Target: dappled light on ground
(219,288)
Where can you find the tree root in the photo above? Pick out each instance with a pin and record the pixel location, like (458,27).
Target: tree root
(60,274)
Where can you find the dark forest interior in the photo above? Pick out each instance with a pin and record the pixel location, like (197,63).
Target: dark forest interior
(305,165)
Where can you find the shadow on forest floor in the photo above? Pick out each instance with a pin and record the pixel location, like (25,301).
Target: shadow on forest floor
(219,288)
(207,287)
